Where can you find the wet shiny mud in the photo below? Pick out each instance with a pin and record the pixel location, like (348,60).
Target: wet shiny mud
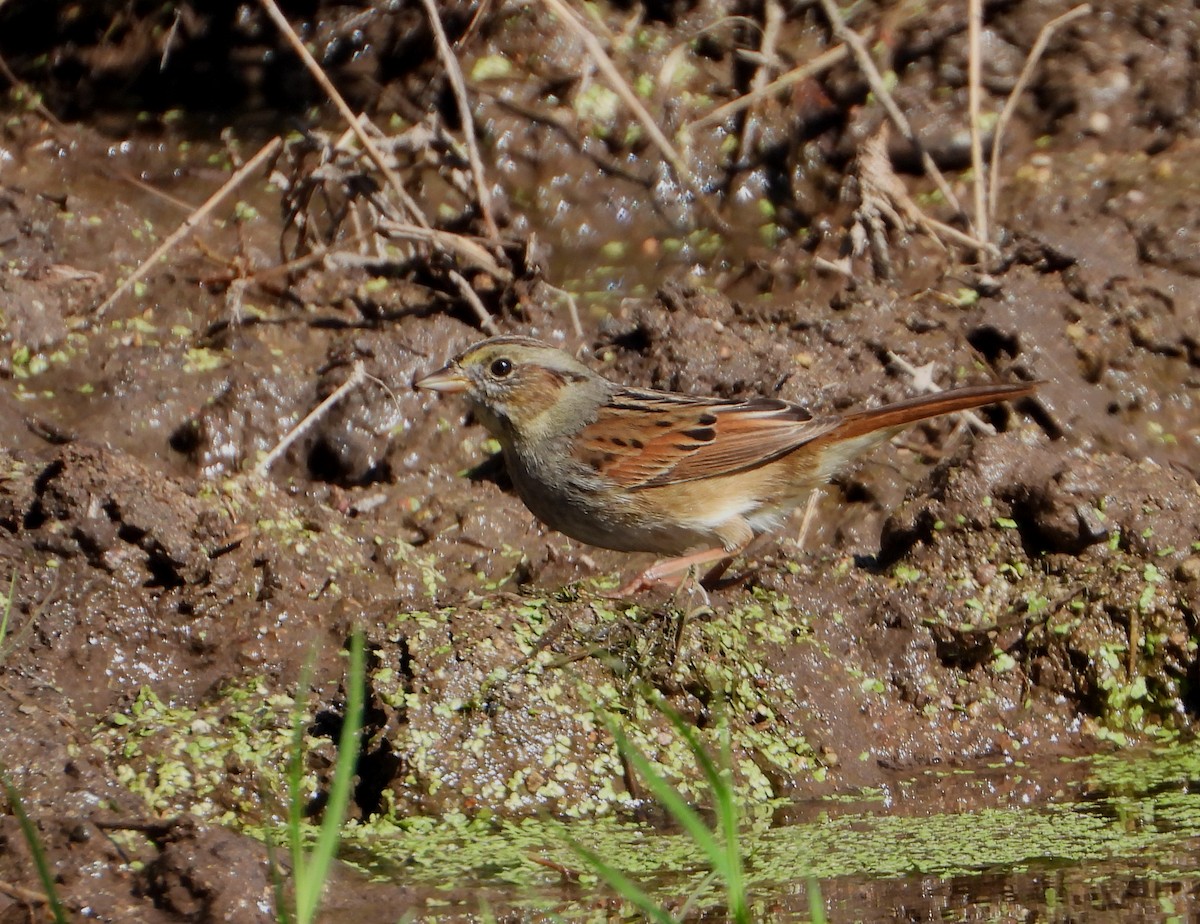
(1008,591)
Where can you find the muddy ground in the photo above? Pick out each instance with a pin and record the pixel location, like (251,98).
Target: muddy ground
(1017,587)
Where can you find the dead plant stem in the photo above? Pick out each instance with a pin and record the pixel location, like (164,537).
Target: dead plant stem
(1010,105)
(874,79)
(268,150)
(974,102)
(817,65)
(357,375)
(486,321)
(323,81)
(571,21)
(772,21)
(459,85)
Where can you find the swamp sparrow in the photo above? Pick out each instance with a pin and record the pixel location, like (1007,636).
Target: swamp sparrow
(639,470)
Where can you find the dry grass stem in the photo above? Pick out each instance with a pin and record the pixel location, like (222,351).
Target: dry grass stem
(866,64)
(467,250)
(883,199)
(572,307)
(817,65)
(974,101)
(772,21)
(268,150)
(922,379)
(810,512)
(454,72)
(357,375)
(186,207)
(486,321)
(30,94)
(312,258)
(1010,105)
(20,893)
(571,21)
(352,120)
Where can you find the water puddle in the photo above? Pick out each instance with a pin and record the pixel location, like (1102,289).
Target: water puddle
(1109,837)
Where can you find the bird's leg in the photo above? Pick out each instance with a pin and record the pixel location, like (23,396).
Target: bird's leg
(671,571)
(716,571)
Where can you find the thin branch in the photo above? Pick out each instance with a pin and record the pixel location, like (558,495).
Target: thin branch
(817,65)
(866,64)
(357,375)
(326,85)
(772,20)
(885,198)
(30,93)
(454,72)
(974,98)
(1010,105)
(572,306)
(268,150)
(922,379)
(486,321)
(20,893)
(810,510)
(570,19)
(462,247)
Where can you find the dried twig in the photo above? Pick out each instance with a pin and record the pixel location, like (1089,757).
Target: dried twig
(486,321)
(30,93)
(352,120)
(357,375)
(462,247)
(772,20)
(268,150)
(1010,105)
(820,63)
(20,893)
(571,20)
(883,198)
(810,512)
(922,379)
(974,97)
(570,301)
(866,64)
(454,72)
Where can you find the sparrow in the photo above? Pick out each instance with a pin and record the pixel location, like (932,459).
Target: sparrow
(692,479)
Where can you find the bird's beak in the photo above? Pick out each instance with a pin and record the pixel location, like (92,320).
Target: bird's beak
(448,379)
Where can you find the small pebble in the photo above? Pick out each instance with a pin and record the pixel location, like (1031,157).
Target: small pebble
(1099,123)
(1188,570)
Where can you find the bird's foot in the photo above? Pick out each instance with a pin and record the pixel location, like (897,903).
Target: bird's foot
(671,572)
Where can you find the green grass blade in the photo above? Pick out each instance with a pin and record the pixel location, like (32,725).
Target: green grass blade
(623,885)
(278,886)
(816,905)
(667,795)
(33,839)
(310,886)
(726,855)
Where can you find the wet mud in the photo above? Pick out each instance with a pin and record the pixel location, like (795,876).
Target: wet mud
(1019,585)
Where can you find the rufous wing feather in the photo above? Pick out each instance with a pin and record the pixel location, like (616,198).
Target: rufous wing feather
(647,439)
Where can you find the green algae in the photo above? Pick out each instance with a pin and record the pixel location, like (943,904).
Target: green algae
(1174,766)
(492,717)
(225,763)
(1150,827)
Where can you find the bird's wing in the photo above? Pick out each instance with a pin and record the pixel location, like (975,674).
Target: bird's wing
(645,439)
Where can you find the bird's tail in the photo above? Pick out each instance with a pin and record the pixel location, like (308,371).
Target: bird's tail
(858,432)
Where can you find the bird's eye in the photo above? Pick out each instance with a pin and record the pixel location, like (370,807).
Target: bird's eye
(500,368)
